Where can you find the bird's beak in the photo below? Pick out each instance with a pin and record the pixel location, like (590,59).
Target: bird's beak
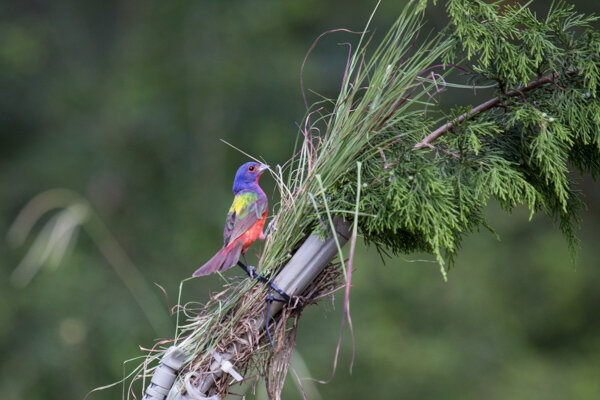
(262,168)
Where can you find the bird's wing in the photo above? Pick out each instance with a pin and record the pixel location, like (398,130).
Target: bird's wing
(247,208)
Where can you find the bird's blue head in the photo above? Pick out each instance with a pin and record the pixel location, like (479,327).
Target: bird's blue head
(247,176)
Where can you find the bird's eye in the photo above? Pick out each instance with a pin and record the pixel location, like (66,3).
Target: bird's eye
(251,168)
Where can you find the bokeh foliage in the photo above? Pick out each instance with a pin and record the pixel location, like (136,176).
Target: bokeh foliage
(124,102)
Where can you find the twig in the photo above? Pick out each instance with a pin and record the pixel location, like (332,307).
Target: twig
(484,107)
(448,152)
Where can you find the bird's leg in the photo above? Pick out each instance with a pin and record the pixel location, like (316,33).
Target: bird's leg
(251,271)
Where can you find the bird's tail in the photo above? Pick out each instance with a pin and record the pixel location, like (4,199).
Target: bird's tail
(225,258)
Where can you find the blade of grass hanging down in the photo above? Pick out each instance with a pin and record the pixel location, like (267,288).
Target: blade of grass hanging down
(353,238)
(347,270)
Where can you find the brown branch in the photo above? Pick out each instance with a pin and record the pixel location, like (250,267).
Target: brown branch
(426,142)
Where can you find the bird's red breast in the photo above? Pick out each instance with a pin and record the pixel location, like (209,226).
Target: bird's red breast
(254,232)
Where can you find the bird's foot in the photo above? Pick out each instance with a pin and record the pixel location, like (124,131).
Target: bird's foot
(251,271)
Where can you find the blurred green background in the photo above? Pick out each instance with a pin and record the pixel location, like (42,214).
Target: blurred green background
(124,102)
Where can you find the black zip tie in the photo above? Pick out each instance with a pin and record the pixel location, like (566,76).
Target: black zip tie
(269,301)
(251,271)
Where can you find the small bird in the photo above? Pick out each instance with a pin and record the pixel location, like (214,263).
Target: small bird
(244,222)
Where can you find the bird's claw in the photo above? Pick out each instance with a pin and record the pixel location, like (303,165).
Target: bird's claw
(251,271)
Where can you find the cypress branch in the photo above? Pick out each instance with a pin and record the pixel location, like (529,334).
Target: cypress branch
(484,107)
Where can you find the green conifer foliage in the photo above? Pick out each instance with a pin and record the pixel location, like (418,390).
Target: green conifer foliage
(518,148)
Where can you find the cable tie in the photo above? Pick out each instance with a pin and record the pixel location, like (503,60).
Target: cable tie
(227,367)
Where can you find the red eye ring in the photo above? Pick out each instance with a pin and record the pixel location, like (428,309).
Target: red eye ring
(251,168)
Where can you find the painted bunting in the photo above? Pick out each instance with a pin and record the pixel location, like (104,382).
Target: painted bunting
(244,222)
